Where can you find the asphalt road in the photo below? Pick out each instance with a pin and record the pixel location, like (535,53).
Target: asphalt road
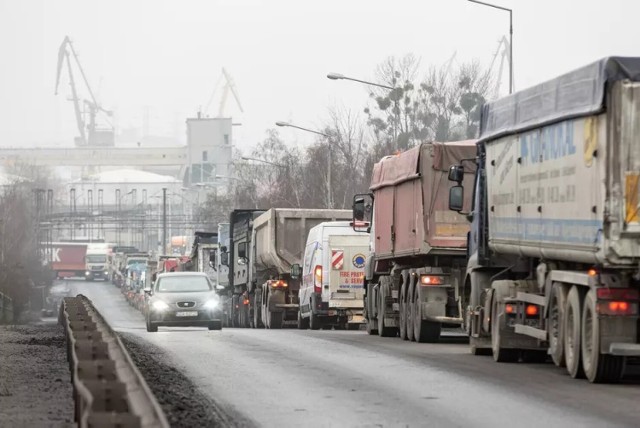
(347,378)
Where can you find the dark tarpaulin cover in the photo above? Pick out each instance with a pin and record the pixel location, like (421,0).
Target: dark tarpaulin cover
(575,94)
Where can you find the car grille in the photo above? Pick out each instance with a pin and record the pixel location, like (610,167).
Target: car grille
(97,267)
(186,304)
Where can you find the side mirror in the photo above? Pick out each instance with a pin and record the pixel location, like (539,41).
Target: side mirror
(147,290)
(362,212)
(224,259)
(296,271)
(456,173)
(219,287)
(456,198)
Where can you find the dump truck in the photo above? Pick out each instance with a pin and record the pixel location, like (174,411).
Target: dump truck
(68,259)
(413,275)
(554,255)
(203,254)
(264,247)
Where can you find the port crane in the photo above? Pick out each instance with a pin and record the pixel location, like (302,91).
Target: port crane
(88,110)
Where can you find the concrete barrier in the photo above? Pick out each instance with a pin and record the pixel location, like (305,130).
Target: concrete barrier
(108,389)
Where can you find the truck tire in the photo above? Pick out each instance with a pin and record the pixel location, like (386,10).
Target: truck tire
(409,310)
(371,323)
(500,355)
(597,367)
(257,316)
(275,319)
(403,313)
(572,332)
(383,330)
(424,331)
(303,323)
(556,328)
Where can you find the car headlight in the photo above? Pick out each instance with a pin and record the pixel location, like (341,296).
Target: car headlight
(159,305)
(212,303)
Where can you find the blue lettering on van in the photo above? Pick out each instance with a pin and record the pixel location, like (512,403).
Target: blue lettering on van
(551,142)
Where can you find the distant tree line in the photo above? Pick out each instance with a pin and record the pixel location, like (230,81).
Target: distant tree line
(437,104)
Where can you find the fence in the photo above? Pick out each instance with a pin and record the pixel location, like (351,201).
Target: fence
(6,309)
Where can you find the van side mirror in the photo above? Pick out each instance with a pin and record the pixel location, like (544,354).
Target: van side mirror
(147,290)
(362,212)
(456,198)
(456,173)
(296,271)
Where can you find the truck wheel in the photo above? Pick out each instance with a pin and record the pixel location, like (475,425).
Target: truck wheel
(275,319)
(556,327)
(371,323)
(500,355)
(303,323)
(403,313)
(408,311)
(572,321)
(424,331)
(257,316)
(383,330)
(597,367)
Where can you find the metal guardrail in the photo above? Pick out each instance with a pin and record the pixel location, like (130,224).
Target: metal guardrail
(108,389)
(6,309)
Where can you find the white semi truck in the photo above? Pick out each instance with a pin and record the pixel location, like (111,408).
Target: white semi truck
(554,250)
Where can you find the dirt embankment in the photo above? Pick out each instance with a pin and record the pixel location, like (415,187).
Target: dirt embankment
(35,384)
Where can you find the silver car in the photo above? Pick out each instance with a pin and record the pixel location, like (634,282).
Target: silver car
(183,299)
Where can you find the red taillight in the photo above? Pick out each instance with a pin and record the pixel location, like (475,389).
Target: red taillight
(317,279)
(245,301)
(617,294)
(617,308)
(509,308)
(431,280)
(279,284)
(531,310)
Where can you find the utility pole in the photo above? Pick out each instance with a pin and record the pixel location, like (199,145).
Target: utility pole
(164,220)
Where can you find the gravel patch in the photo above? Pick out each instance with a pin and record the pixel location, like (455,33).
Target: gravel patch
(181,400)
(35,383)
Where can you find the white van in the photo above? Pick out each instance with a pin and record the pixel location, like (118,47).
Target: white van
(331,292)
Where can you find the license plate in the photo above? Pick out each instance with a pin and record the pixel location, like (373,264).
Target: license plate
(187,314)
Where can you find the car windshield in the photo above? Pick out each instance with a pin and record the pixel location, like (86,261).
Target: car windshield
(96,258)
(181,284)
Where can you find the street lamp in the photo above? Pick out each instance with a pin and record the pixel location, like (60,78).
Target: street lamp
(263,161)
(510,37)
(338,76)
(329,190)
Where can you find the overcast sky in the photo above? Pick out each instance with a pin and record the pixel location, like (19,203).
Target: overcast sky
(168,54)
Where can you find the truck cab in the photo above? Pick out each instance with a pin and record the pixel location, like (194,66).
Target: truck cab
(96,263)
(331,293)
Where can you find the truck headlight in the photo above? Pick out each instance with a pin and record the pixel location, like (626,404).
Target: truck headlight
(159,305)
(87,273)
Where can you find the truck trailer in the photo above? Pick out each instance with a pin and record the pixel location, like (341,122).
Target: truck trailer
(413,275)
(554,255)
(265,245)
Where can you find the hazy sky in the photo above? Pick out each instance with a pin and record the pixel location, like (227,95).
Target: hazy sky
(168,54)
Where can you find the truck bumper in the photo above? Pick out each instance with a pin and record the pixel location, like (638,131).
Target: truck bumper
(625,349)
